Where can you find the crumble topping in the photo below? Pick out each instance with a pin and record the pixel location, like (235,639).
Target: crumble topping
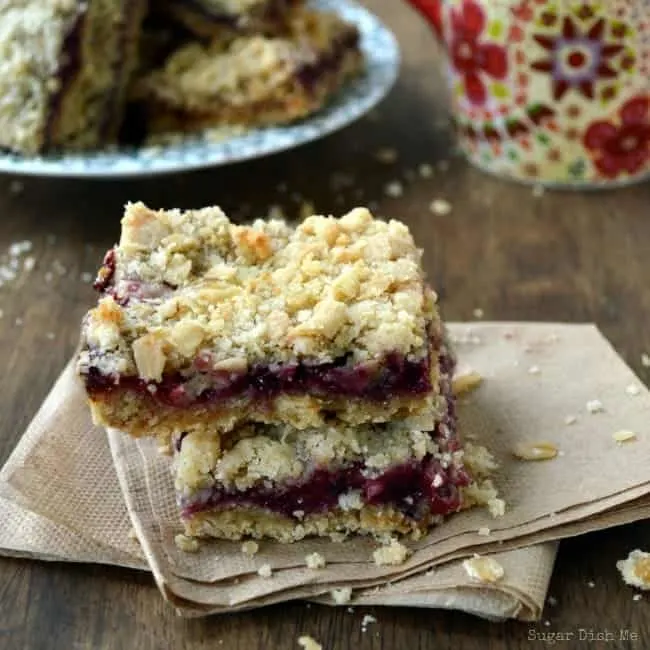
(265,571)
(186,543)
(250,548)
(527,450)
(635,569)
(192,285)
(393,553)
(281,453)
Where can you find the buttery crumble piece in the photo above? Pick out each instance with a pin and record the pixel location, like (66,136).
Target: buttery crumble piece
(595,406)
(635,569)
(342,595)
(309,644)
(529,450)
(250,548)
(483,569)
(393,553)
(466,383)
(624,436)
(315,561)
(186,543)
(265,571)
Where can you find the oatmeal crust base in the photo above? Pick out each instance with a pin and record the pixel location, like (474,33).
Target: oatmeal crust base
(133,412)
(376,521)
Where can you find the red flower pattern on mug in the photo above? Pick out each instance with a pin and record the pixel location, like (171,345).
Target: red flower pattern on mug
(577,59)
(624,147)
(473,58)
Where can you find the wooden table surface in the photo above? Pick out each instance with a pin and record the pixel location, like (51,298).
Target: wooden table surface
(562,257)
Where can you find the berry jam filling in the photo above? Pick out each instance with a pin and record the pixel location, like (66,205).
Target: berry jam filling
(395,376)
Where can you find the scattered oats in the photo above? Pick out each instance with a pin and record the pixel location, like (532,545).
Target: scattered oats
(386,155)
(187,544)
(497,507)
(50,336)
(265,571)
(350,610)
(16,187)
(250,548)
(443,165)
(86,277)
(637,597)
(394,189)
(595,406)
(425,170)
(624,436)
(483,569)
(570,419)
(538,191)
(547,623)
(534,370)
(29,263)
(552,601)
(48,276)
(440,207)
(19,321)
(341,596)
(391,554)
(635,569)
(591,584)
(309,644)
(645,360)
(466,383)
(478,313)
(526,450)
(20,247)
(315,561)
(306,210)
(484,531)
(367,620)
(633,390)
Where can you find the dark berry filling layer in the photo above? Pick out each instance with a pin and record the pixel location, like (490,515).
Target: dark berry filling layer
(395,376)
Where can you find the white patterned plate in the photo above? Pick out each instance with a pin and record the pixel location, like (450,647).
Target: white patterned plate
(382,56)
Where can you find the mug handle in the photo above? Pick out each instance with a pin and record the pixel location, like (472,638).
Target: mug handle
(431,10)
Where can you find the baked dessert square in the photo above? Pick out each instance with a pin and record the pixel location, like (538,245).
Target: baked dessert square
(64,71)
(279,482)
(203,324)
(251,80)
(212,18)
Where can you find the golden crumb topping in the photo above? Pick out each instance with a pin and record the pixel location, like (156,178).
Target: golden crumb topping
(191,284)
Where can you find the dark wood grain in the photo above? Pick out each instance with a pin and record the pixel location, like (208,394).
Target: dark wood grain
(565,256)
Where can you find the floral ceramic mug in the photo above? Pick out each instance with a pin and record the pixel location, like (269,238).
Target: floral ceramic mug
(549,91)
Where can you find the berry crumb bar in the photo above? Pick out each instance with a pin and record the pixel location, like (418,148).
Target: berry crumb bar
(64,69)
(251,80)
(203,324)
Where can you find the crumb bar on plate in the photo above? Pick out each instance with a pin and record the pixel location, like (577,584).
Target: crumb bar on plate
(209,18)
(203,324)
(279,482)
(64,69)
(251,80)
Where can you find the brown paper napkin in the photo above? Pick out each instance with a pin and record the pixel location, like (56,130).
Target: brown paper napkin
(536,375)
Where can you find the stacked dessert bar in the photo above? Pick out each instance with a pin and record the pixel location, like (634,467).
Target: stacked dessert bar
(301,375)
